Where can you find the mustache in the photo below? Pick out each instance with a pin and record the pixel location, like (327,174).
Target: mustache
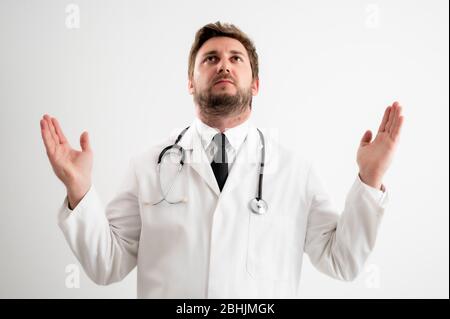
(221,78)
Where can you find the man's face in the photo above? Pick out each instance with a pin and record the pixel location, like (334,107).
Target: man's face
(222,82)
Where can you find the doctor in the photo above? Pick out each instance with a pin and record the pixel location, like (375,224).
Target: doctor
(228,212)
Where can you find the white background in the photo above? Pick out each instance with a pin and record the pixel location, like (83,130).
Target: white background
(328,71)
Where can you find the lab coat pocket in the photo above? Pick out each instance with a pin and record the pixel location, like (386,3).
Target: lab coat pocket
(272,252)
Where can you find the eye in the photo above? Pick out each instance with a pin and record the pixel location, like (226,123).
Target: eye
(237,58)
(211,58)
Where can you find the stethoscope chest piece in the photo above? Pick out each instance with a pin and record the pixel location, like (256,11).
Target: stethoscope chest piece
(258,206)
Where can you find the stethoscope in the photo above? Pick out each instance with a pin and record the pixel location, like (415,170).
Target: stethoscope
(258,205)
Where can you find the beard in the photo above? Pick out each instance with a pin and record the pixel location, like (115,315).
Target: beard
(223,104)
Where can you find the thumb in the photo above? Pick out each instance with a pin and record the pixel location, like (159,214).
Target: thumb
(84,142)
(367,137)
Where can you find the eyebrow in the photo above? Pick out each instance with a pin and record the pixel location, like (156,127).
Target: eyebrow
(212,52)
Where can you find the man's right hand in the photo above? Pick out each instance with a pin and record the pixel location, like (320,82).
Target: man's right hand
(72,167)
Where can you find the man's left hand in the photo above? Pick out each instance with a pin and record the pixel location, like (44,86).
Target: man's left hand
(374,157)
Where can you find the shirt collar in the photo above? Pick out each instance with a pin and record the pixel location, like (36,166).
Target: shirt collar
(235,135)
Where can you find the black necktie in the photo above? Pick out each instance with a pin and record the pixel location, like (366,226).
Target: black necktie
(219,163)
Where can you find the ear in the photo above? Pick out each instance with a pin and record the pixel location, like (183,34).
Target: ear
(191,86)
(255,87)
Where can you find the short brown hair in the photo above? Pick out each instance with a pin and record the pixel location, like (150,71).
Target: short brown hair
(219,29)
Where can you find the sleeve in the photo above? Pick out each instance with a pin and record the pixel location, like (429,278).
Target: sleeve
(378,194)
(105,241)
(339,244)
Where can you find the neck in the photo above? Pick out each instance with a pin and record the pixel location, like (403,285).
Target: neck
(223,123)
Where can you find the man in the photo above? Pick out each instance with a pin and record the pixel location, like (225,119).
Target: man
(194,234)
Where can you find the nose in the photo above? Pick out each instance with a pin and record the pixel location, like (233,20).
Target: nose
(224,67)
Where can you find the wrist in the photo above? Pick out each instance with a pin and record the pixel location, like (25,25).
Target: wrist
(371,180)
(76,193)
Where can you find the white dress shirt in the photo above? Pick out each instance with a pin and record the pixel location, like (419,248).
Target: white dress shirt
(235,136)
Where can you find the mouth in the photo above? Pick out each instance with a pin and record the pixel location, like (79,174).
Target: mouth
(223,82)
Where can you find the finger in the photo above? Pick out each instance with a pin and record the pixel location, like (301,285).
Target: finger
(384,120)
(395,121)
(391,118)
(47,125)
(367,137)
(84,142)
(46,136)
(394,116)
(52,129)
(58,130)
(397,129)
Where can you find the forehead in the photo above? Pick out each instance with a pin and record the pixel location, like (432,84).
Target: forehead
(222,44)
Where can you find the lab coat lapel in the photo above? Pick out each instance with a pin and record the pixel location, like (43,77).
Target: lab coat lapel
(197,159)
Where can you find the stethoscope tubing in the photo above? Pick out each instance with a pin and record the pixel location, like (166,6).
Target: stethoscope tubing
(258,205)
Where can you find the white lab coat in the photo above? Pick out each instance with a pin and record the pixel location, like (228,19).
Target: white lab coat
(213,246)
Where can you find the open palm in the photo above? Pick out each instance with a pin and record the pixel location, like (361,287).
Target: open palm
(374,157)
(72,167)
